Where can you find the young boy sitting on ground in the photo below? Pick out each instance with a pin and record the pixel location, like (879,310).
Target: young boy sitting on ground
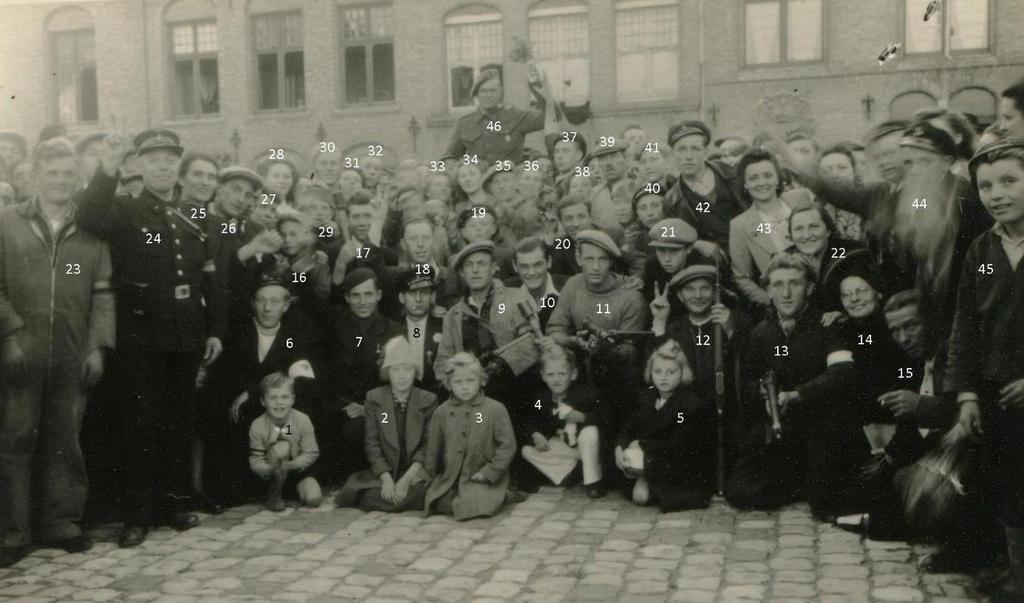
(282,445)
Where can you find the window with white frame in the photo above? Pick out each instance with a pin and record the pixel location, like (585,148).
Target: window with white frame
(278,44)
(367,53)
(195,85)
(560,33)
(647,45)
(783,31)
(473,37)
(73,60)
(965,21)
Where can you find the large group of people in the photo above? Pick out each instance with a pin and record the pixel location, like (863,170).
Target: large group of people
(769,318)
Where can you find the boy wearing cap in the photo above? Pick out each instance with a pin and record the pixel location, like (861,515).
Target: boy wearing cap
(397,417)
(170,319)
(986,348)
(707,194)
(674,244)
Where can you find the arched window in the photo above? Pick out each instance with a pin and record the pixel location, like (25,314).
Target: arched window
(73,57)
(977,102)
(473,36)
(560,31)
(647,42)
(192,31)
(904,105)
(277,38)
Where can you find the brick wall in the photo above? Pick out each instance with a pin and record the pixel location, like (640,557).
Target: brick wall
(134,86)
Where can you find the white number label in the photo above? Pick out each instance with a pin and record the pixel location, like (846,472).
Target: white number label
(494,126)
(383,417)
(276,154)
(152,238)
(437,166)
(74,269)
(268,198)
(375,150)
(562,243)
(603,309)
(479,417)
(781,350)
(327,147)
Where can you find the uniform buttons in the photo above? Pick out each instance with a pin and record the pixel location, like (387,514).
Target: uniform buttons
(178,256)
(177,241)
(180,273)
(174,226)
(168,212)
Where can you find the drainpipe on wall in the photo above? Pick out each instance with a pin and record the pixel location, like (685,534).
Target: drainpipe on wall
(703,91)
(145,55)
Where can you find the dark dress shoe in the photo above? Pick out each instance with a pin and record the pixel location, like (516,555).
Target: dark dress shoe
(857,523)
(78,544)
(132,536)
(11,555)
(207,505)
(594,491)
(180,521)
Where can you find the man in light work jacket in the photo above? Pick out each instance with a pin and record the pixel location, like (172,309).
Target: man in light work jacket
(56,320)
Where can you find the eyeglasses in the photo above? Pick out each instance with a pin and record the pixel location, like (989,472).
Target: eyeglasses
(861,292)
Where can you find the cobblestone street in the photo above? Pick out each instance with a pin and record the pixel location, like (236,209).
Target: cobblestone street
(558,545)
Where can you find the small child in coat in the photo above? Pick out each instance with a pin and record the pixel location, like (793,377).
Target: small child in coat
(397,416)
(282,445)
(668,443)
(568,424)
(469,447)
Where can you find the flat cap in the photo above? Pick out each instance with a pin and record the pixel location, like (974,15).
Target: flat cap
(992,147)
(688,128)
(690,273)
(468,250)
(87,140)
(156,140)
(409,280)
(618,147)
(671,232)
(358,277)
(237,171)
(17,139)
(599,238)
(929,138)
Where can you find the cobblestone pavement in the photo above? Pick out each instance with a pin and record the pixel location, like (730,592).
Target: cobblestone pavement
(556,546)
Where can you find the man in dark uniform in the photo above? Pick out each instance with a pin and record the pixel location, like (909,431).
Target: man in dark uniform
(170,319)
(494,132)
(707,193)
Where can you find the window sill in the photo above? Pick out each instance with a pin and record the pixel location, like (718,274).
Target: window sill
(375,109)
(302,113)
(781,71)
(625,108)
(185,120)
(965,58)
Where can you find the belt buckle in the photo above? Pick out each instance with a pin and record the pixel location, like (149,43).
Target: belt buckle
(182,292)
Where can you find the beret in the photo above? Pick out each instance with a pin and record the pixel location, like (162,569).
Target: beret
(237,171)
(671,232)
(485,76)
(688,128)
(858,263)
(691,273)
(641,193)
(156,140)
(468,250)
(929,138)
(599,238)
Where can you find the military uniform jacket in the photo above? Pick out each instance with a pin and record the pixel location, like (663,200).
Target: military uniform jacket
(164,277)
(504,142)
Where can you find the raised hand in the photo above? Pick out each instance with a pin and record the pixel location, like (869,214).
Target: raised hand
(660,305)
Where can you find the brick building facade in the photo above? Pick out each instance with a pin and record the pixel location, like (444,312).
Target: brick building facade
(286,73)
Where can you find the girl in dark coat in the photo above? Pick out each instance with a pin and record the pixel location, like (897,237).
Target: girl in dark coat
(668,444)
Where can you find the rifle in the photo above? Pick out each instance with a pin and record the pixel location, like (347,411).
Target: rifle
(719,363)
(609,335)
(532,325)
(772,399)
